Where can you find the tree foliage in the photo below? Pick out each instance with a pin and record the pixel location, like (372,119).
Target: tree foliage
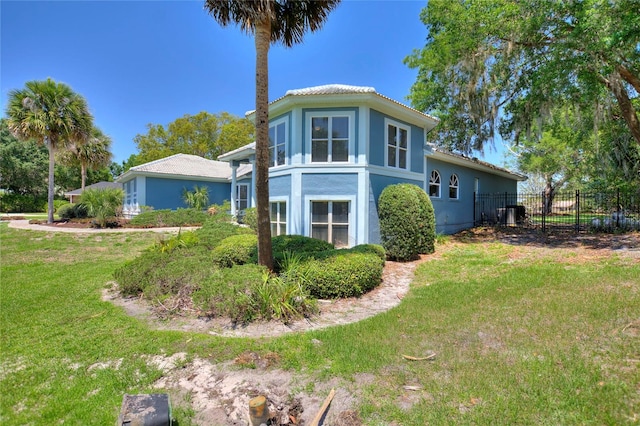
(270,21)
(203,134)
(54,115)
(502,65)
(92,154)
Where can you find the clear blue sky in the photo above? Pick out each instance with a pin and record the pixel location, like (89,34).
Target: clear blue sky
(141,62)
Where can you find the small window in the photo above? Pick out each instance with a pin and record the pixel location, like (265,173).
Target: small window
(453,187)
(397,145)
(242,196)
(330,222)
(278,213)
(277,144)
(329,139)
(434,184)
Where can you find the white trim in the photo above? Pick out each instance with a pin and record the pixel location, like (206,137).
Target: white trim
(295,218)
(309,115)
(274,124)
(399,126)
(238,199)
(439,184)
(363,141)
(397,173)
(364,185)
(352,216)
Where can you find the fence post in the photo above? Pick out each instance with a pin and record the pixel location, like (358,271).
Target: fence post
(544,211)
(475,207)
(577,211)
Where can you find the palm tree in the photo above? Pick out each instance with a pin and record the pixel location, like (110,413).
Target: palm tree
(270,21)
(53,114)
(93,153)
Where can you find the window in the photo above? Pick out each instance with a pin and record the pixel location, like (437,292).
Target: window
(278,213)
(453,187)
(397,145)
(277,144)
(242,196)
(330,139)
(330,222)
(434,184)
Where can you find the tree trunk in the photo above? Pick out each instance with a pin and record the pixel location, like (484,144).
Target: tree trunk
(263,40)
(50,191)
(83,175)
(614,83)
(549,193)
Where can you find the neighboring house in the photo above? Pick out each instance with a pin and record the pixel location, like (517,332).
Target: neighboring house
(335,148)
(160,184)
(74,196)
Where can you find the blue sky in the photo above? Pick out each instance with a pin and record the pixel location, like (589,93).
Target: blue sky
(141,62)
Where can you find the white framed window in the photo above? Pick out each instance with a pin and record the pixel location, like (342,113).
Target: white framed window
(330,221)
(454,186)
(278,143)
(397,139)
(434,184)
(242,196)
(278,217)
(331,137)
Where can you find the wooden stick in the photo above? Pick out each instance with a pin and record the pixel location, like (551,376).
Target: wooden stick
(413,358)
(318,417)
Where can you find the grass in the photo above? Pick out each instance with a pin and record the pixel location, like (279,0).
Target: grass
(521,337)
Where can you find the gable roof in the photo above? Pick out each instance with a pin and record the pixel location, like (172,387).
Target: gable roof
(182,166)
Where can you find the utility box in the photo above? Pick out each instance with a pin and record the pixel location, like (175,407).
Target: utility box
(145,410)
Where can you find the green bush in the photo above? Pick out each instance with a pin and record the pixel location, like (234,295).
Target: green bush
(156,274)
(59,203)
(103,204)
(235,250)
(198,198)
(72,211)
(376,249)
(18,203)
(169,218)
(182,240)
(227,292)
(426,222)
(250,218)
(341,273)
(400,212)
(214,230)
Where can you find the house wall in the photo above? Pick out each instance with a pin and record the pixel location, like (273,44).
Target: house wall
(455,215)
(377,147)
(164,193)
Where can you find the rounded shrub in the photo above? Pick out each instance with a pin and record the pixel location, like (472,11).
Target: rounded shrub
(426,221)
(235,250)
(398,210)
(376,249)
(250,218)
(72,211)
(341,273)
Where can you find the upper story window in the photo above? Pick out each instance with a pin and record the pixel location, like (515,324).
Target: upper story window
(331,138)
(277,144)
(453,187)
(397,142)
(434,184)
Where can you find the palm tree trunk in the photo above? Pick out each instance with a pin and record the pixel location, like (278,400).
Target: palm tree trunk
(50,191)
(83,175)
(263,40)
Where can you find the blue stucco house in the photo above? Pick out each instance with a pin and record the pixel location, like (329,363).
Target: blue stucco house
(334,148)
(160,184)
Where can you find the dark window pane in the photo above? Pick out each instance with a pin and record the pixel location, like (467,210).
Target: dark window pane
(320,127)
(391,135)
(319,212)
(320,232)
(319,151)
(402,163)
(340,150)
(340,212)
(340,235)
(391,162)
(340,127)
(403,138)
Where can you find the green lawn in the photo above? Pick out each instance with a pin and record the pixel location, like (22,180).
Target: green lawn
(521,338)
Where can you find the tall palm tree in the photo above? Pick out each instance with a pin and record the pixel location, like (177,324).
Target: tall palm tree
(94,152)
(270,21)
(51,113)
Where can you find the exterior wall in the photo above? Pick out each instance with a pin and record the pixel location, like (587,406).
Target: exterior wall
(163,193)
(455,215)
(377,147)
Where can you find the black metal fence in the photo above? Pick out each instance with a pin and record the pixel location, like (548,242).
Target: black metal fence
(568,211)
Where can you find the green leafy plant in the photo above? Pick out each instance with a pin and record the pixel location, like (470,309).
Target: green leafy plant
(181,240)
(400,213)
(250,218)
(198,198)
(235,250)
(103,204)
(172,218)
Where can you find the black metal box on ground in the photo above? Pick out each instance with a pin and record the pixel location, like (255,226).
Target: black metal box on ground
(145,410)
